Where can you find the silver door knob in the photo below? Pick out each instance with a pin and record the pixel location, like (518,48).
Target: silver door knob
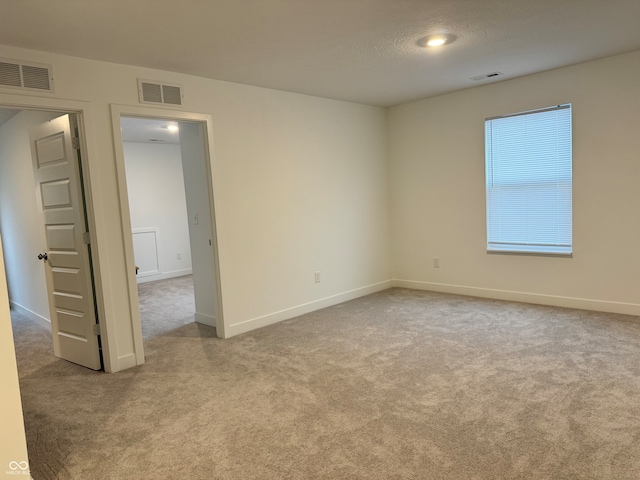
(43,256)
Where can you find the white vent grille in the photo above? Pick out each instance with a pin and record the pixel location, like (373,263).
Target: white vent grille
(30,76)
(10,75)
(151,92)
(159,93)
(172,95)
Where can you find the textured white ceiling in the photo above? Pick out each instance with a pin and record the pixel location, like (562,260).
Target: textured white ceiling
(358,50)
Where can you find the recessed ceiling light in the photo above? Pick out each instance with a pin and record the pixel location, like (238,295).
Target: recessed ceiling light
(436,40)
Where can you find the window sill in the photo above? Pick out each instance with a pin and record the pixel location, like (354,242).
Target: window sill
(529,254)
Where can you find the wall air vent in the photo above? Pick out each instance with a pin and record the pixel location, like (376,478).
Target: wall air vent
(150,91)
(486,76)
(25,76)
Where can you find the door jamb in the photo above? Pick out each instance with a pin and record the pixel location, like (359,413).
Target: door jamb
(117,112)
(82,110)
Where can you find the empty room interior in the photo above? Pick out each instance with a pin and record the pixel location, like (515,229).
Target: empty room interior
(338,240)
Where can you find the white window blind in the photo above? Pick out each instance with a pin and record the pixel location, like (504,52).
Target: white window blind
(529,182)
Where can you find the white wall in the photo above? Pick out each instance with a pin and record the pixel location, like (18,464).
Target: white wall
(306,191)
(13,443)
(157,200)
(192,149)
(300,184)
(20,221)
(438,194)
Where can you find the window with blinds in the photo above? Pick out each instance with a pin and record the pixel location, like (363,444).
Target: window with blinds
(529,182)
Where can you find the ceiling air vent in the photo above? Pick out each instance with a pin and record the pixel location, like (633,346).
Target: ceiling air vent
(485,76)
(159,93)
(29,76)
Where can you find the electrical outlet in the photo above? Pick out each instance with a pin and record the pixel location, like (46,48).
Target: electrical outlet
(179,256)
(436,262)
(317,277)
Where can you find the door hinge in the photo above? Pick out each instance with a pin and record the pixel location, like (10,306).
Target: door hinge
(75,143)
(86,238)
(96,329)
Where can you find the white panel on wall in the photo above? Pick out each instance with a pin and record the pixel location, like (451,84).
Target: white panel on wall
(145,250)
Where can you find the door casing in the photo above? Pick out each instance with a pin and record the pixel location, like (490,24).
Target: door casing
(118,111)
(84,116)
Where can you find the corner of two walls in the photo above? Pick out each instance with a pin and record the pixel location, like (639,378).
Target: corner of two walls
(438,194)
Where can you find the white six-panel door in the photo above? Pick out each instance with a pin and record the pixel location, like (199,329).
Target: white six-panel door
(65,255)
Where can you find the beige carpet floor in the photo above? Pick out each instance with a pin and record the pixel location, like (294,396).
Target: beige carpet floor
(166,305)
(397,385)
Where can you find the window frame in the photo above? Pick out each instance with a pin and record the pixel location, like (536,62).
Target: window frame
(497,242)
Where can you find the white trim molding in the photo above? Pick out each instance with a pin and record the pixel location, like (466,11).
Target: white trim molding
(286,314)
(205,319)
(149,111)
(31,315)
(536,298)
(157,276)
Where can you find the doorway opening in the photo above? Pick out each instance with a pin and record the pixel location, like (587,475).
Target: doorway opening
(169,198)
(45,230)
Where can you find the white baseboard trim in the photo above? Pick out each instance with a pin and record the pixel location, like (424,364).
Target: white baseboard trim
(205,319)
(164,276)
(39,319)
(263,321)
(540,299)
